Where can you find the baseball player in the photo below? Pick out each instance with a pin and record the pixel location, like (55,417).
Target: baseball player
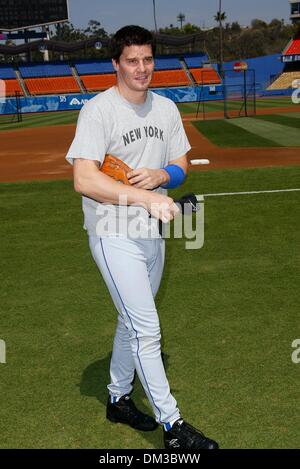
(144,131)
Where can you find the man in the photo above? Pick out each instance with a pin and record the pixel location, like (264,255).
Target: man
(145,131)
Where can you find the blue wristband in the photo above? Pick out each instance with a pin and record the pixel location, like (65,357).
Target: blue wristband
(177,176)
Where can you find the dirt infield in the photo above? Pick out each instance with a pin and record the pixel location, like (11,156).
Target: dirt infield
(38,153)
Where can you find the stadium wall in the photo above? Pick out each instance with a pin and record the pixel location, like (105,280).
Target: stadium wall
(266,69)
(75,102)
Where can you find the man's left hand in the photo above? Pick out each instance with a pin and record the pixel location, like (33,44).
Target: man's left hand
(146,178)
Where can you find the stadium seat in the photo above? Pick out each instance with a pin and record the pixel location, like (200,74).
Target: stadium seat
(91,67)
(205,75)
(294,47)
(11,87)
(45,70)
(167,63)
(52,85)
(98,82)
(170,78)
(285,81)
(195,61)
(6,72)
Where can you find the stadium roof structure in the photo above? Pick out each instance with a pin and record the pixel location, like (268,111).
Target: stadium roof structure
(60,46)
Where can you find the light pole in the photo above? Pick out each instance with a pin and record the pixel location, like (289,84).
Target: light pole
(222,73)
(154,15)
(221,38)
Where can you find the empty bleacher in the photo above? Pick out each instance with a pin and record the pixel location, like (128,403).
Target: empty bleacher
(93,67)
(167,63)
(285,81)
(48,78)
(7,74)
(294,47)
(98,82)
(163,78)
(97,75)
(53,85)
(12,87)
(39,70)
(205,76)
(195,60)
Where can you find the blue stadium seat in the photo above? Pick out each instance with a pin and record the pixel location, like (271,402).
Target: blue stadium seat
(91,67)
(39,70)
(167,63)
(195,60)
(7,72)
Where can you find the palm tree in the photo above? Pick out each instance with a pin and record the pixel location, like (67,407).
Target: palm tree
(220,16)
(181,19)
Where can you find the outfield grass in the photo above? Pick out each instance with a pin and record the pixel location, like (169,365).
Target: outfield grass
(229,314)
(258,131)
(288,120)
(225,134)
(40,120)
(212,106)
(70,117)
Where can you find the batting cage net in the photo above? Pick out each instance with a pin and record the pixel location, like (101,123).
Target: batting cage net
(233,96)
(239,93)
(15,111)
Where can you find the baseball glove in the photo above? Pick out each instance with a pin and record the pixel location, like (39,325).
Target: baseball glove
(115,168)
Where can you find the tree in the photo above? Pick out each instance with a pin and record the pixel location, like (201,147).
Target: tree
(67,33)
(181,19)
(235,27)
(252,44)
(94,29)
(189,28)
(258,24)
(220,17)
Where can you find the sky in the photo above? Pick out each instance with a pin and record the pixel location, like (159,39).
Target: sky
(113,14)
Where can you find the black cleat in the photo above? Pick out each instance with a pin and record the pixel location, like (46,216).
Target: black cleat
(124,411)
(183,436)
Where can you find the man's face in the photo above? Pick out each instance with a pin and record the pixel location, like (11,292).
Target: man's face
(135,67)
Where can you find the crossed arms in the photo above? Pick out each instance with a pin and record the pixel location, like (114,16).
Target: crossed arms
(88,180)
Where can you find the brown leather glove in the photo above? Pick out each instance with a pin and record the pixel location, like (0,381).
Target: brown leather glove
(115,168)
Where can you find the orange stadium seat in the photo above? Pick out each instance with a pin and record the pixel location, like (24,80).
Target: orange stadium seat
(11,86)
(98,82)
(205,75)
(52,85)
(169,78)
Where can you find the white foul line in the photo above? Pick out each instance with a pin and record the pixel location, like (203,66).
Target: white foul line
(251,192)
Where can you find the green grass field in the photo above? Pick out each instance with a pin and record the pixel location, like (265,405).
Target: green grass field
(229,313)
(279,130)
(39,120)
(70,117)
(186,108)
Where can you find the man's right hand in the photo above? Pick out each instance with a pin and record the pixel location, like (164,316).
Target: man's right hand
(161,207)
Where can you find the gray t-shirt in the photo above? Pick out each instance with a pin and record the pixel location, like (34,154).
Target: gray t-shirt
(147,135)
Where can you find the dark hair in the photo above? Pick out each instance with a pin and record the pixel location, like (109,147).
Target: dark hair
(130,36)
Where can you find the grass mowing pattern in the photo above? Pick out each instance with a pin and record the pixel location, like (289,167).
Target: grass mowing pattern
(229,314)
(70,117)
(224,134)
(211,106)
(41,120)
(281,119)
(277,133)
